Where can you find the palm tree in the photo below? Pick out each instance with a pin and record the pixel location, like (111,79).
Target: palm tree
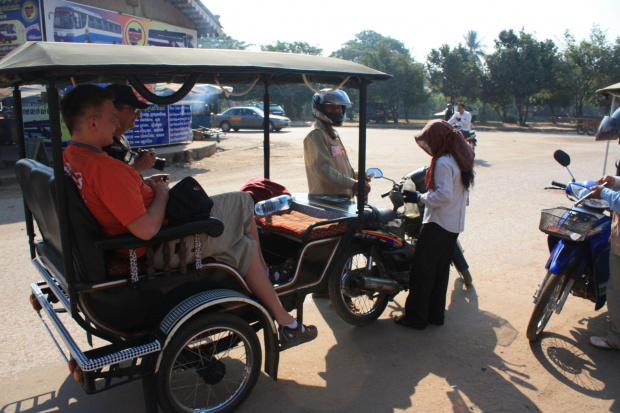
(474,44)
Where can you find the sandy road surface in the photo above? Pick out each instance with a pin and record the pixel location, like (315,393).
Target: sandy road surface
(478,361)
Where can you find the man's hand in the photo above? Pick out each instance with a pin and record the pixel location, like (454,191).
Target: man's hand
(356,187)
(145,161)
(609,180)
(161,187)
(153,179)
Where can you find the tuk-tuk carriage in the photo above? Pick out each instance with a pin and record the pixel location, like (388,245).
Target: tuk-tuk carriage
(190,334)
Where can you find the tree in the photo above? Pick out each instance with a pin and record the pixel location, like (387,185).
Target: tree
(521,66)
(591,66)
(294,98)
(474,45)
(367,41)
(221,42)
(407,86)
(454,73)
(295,47)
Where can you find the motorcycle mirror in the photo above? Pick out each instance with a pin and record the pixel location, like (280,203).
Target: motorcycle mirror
(562,157)
(376,171)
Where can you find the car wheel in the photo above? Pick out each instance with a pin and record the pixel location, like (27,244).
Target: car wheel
(225,126)
(272,127)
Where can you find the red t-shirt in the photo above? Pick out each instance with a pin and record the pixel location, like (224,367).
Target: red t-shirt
(113,191)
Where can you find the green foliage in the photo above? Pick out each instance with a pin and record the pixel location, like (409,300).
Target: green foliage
(221,42)
(454,73)
(295,47)
(590,66)
(520,67)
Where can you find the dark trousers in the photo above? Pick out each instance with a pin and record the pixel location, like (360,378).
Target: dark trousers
(429,275)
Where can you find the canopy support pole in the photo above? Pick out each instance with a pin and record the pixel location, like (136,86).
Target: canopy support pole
(361,162)
(266,153)
(611,112)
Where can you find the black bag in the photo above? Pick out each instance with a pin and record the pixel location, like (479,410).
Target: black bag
(187,202)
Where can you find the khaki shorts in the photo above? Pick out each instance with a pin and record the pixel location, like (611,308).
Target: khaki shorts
(235,247)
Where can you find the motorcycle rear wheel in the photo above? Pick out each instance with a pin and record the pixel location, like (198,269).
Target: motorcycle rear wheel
(546,305)
(354,306)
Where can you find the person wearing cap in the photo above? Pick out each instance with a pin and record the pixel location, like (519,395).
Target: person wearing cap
(609,129)
(448,180)
(128,108)
(449,112)
(328,168)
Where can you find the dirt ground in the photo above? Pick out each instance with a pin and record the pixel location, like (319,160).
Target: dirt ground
(479,361)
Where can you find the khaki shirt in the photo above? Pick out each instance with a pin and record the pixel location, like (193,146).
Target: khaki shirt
(328,169)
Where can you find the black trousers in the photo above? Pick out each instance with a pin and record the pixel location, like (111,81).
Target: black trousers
(429,275)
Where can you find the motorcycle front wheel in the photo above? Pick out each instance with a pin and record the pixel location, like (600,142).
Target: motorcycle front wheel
(546,305)
(354,305)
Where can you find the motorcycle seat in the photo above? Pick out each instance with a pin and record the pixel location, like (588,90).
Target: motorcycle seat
(377,217)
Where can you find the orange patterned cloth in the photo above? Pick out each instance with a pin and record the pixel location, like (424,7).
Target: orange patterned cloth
(295,223)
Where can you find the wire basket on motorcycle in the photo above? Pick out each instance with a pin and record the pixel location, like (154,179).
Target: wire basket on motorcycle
(568,224)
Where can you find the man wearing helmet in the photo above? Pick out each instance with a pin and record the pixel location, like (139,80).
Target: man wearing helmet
(328,169)
(609,129)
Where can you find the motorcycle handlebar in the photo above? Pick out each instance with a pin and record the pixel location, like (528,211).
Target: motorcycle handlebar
(559,184)
(386,194)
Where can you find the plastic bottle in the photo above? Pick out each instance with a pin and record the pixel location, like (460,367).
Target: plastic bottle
(272,205)
(411,209)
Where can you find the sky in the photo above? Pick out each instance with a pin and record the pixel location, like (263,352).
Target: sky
(420,25)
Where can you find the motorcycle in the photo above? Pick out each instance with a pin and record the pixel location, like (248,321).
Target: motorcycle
(578,239)
(470,137)
(375,265)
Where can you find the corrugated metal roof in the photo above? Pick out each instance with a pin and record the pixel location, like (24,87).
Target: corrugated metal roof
(205,22)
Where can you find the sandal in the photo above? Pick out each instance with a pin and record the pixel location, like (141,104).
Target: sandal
(281,274)
(402,320)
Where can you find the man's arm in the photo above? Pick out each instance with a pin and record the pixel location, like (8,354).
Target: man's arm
(149,223)
(453,120)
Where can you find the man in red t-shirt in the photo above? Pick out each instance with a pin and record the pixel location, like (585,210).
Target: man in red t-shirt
(122,202)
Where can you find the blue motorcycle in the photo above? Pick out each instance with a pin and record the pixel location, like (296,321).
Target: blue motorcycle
(578,239)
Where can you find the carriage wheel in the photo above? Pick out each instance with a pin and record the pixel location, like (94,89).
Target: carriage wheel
(211,365)
(591,129)
(581,128)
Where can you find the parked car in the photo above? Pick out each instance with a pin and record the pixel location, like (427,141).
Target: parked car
(274,109)
(249,117)
(474,113)
(377,112)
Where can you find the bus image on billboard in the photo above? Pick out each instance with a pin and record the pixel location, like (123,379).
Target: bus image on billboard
(168,38)
(77,25)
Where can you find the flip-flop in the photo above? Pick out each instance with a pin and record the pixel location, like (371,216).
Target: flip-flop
(602,343)
(401,320)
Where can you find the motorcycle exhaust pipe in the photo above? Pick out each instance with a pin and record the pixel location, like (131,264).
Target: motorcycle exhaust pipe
(377,284)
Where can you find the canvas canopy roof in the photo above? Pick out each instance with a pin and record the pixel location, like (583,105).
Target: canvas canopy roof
(613,90)
(38,62)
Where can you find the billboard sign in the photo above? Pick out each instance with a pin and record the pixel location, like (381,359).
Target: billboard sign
(20,21)
(66,21)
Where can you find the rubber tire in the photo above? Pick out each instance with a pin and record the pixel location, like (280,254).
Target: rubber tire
(225,126)
(338,300)
(272,127)
(581,128)
(219,322)
(540,316)
(591,130)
